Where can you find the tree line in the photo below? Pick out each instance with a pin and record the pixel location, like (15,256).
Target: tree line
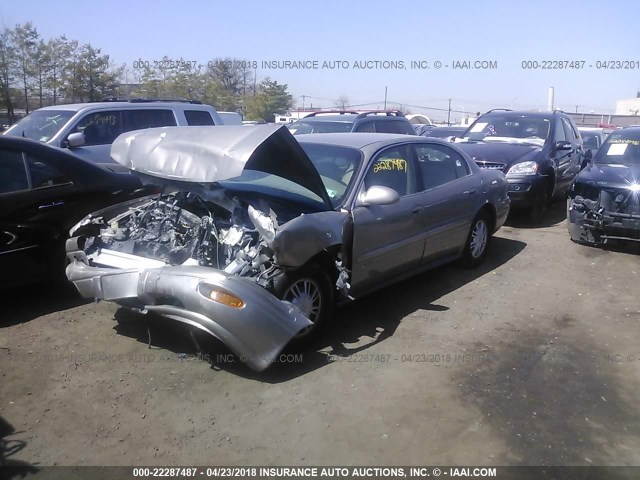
(35,72)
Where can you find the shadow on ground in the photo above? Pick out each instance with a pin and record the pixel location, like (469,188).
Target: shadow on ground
(556,213)
(10,468)
(555,398)
(367,322)
(22,304)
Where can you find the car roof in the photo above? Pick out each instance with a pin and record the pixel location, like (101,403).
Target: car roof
(628,129)
(361,140)
(75,107)
(520,113)
(346,118)
(351,117)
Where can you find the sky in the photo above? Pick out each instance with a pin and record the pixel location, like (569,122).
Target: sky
(358,33)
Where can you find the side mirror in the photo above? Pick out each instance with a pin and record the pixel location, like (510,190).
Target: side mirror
(563,146)
(378,195)
(75,140)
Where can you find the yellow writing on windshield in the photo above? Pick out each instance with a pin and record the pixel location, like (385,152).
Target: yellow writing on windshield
(397,164)
(625,141)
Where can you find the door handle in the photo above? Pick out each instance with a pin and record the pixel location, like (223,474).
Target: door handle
(52,204)
(471,192)
(417,210)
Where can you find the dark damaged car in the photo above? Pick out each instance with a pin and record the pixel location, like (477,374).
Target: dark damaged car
(256,236)
(604,201)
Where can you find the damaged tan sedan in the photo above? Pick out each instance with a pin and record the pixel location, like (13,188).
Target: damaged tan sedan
(256,235)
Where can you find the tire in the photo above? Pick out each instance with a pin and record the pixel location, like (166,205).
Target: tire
(310,289)
(57,265)
(537,211)
(475,250)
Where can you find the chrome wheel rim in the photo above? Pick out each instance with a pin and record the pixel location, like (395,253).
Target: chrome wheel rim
(305,294)
(479,236)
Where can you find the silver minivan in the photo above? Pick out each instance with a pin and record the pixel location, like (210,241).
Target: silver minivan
(89,129)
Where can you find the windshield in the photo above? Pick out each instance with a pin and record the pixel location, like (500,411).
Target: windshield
(336,165)
(443,132)
(496,127)
(41,125)
(300,128)
(620,148)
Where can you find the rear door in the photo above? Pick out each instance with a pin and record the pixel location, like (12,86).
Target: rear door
(450,198)
(577,154)
(561,158)
(35,200)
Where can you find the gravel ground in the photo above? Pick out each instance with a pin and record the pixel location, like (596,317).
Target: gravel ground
(531,359)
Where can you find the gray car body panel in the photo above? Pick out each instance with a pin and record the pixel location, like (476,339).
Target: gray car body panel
(257,332)
(213,154)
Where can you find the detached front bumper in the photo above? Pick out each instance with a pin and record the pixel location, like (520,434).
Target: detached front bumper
(256,331)
(587,225)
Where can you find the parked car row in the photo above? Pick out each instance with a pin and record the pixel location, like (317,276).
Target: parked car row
(254,233)
(348,121)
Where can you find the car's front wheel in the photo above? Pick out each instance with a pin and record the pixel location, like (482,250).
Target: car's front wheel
(475,250)
(309,289)
(539,207)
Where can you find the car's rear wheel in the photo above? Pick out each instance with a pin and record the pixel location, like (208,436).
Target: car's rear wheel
(475,250)
(309,289)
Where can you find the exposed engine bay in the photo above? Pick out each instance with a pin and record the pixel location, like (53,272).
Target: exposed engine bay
(181,228)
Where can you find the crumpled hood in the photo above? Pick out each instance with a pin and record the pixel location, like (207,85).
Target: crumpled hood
(215,153)
(609,175)
(507,153)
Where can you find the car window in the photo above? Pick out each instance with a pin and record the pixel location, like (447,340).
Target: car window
(41,125)
(149,118)
(393,168)
(591,140)
(13,175)
(365,127)
(43,174)
(559,132)
(439,164)
(198,117)
(395,126)
(100,128)
(568,130)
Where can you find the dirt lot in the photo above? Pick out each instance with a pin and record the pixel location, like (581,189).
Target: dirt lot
(532,359)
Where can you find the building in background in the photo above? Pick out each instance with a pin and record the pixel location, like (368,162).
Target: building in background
(629,106)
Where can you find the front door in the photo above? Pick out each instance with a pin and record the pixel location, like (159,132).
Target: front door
(388,240)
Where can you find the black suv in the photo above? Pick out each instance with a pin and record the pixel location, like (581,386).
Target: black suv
(539,152)
(332,121)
